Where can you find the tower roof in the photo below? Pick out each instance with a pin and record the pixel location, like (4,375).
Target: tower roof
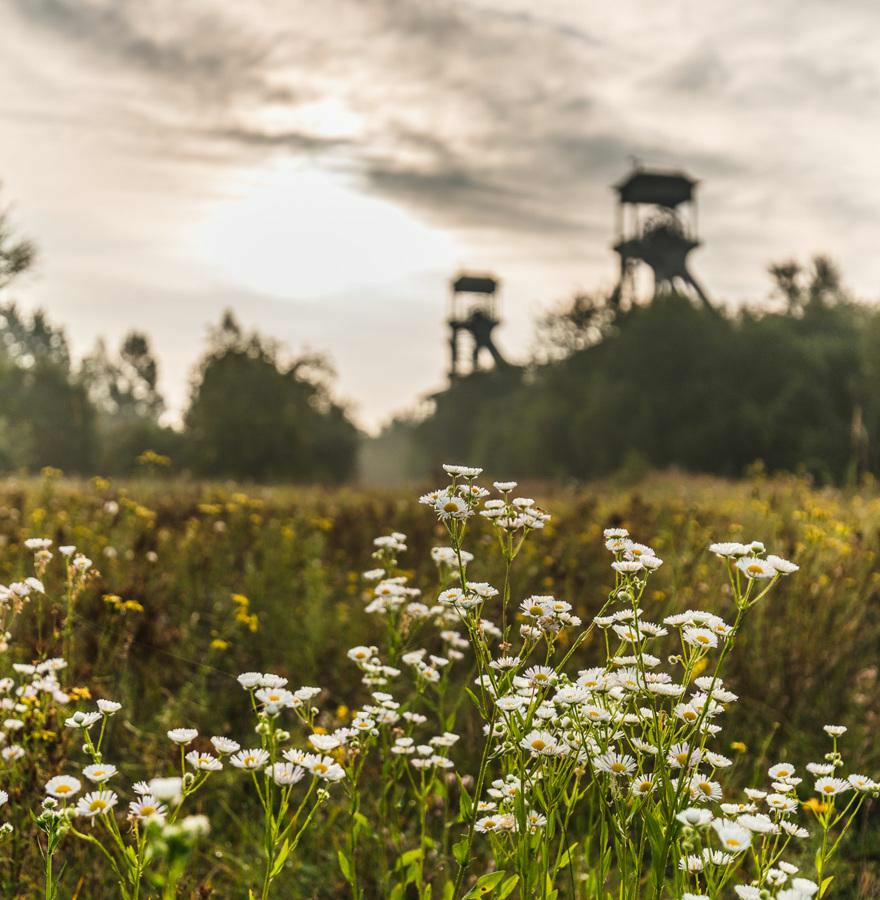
(657,187)
(475,284)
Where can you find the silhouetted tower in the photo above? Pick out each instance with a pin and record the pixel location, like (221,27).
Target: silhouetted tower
(474,311)
(656,225)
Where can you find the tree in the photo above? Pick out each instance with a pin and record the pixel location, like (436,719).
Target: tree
(254,415)
(16,254)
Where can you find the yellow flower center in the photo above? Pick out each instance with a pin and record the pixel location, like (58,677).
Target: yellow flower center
(538,744)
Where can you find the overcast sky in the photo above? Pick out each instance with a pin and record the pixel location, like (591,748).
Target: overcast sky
(324,167)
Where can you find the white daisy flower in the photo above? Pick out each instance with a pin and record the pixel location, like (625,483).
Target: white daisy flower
(63,786)
(734,838)
(753,567)
(182,736)
(249,759)
(540,743)
(830,787)
(147,808)
(615,764)
(96,803)
(205,762)
(224,745)
(99,772)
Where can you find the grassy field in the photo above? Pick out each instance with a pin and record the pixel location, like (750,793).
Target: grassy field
(195,584)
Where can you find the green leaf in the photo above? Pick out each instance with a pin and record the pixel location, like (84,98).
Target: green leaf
(826,882)
(485,885)
(565,859)
(409,857)
(345,867)
(507,887)
(283,853)
(460,851)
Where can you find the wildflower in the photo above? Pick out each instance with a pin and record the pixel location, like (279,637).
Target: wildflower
(615,764)
(147,807)
(505,662)
(694,816)
(734,838)
(83,720)
(729,549)
(834,730)
(643,786)
(462,471)
(540,743)
(747,892)
(99,773)
(224,745)
(167,789)
(782,803)
(781,771)
(324,742)
(63,786)
(753,567)
(109,707)
(700,637)
(691,863)
(274,699)
(782,566)
(205,762)
(449,506)
(182,736)
(830,787)
(323,767)
(285,773)
(360,653)
(705,789)
(249,759)
(682,755)
(862,782)
(757,823)
(539,676)
(96,803)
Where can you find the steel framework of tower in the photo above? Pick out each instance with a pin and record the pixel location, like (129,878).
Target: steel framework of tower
(474,312)
(657,226)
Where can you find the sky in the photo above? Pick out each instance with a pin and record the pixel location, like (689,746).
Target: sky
(324,168)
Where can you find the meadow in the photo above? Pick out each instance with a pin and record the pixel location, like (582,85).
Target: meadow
(218,609)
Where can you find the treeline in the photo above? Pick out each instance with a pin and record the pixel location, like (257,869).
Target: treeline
(672,384)
(252,414)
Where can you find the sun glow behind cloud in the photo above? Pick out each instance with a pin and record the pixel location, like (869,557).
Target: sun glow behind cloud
(292,229)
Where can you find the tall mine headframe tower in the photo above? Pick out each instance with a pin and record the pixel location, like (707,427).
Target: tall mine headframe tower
(473,314)
(656,226)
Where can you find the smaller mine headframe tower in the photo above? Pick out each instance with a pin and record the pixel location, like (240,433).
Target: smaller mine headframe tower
(474,311)
(656,225)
